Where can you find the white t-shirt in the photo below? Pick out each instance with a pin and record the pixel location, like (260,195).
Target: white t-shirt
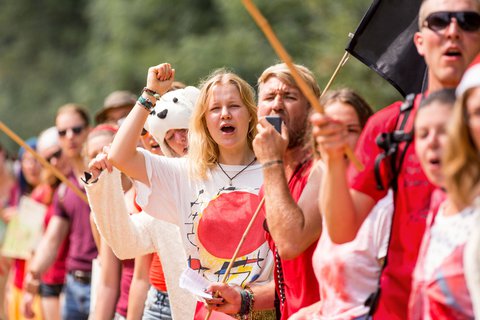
(211,215)
(348,273)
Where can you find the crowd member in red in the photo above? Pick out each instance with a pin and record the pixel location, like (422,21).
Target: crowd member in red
(52,280)
(449,42)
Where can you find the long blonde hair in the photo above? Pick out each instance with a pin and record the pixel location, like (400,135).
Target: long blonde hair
(461,161)
(203,151)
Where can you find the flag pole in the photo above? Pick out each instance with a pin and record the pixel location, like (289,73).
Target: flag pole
(342,62)
(44,162)
(282,53)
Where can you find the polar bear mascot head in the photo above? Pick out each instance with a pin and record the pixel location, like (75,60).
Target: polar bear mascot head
(172,111)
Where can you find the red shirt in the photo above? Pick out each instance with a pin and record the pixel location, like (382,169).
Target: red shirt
(411,200)
(299,282)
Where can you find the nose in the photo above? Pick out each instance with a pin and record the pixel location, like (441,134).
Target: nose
(225,112)
(434,139)
(452,30)
(278,103)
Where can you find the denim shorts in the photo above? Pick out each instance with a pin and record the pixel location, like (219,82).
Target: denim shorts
(157,306)
(50,290)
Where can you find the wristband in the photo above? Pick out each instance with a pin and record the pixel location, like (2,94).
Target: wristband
(150,92)
(271,163)
(146,103)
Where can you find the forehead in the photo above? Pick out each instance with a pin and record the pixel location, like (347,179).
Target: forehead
(96,143)
(275,84)
(67,119)
(224,91)
(430,6)
(343,112)
(430,113)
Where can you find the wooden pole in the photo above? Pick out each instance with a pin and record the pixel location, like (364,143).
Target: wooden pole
(282,53)
(44,162)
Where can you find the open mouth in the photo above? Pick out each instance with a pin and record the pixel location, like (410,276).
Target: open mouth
(154,146)
(435,162)
(227,129)
(453,52)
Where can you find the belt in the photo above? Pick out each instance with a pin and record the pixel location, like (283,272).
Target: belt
(81,276)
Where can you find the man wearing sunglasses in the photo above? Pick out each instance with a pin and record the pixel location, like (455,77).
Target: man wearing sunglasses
(448,39)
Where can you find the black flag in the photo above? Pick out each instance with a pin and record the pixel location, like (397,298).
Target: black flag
(384,42)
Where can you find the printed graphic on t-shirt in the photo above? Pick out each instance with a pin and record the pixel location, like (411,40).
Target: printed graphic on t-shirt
(219,224)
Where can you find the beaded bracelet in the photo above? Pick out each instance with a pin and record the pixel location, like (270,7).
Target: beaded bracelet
(252,298)
(150,92)
(146,103)
(272,163)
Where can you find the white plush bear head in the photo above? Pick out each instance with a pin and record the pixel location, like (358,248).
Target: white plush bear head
(172,111)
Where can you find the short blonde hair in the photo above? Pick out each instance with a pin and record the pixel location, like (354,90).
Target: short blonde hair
(422,14)
(203,151)
(282,72)
(461,161)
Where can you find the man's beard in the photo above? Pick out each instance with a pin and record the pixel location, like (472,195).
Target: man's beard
(299,135)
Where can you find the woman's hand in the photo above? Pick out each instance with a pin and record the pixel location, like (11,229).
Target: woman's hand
(160,78)
(228,301)
(100,163)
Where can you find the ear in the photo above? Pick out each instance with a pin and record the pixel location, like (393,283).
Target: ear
(419,41)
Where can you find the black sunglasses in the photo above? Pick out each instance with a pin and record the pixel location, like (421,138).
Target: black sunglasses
(55,155)
(76,131)
(467,20)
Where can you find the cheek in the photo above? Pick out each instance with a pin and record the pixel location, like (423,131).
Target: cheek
(264,110)
(475,132)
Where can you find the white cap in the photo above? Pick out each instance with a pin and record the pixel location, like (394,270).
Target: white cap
(470,79)
(47,139)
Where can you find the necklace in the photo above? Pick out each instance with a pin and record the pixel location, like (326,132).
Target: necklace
(236,175)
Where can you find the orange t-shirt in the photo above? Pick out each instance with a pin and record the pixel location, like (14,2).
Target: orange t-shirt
(157,279)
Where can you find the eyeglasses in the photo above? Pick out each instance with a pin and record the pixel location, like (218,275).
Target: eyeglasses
(56,155)
(467,20)
(75,130)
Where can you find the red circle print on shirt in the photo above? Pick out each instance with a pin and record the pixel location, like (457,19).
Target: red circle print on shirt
(224,221)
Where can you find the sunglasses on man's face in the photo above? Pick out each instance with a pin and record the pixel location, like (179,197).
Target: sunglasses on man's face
(76,131)
(56,155)
(467,20)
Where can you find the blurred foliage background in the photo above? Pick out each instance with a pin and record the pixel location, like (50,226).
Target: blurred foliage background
(53,52)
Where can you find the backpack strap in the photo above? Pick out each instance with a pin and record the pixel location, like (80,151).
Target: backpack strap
(389,142)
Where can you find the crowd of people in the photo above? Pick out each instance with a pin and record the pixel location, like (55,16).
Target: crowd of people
(169,180)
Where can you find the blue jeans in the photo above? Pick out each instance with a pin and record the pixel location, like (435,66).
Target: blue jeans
(77,299)
(157,306)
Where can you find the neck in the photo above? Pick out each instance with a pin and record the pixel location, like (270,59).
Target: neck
(78,166)
(435,85)
(243,157)
(294,156)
